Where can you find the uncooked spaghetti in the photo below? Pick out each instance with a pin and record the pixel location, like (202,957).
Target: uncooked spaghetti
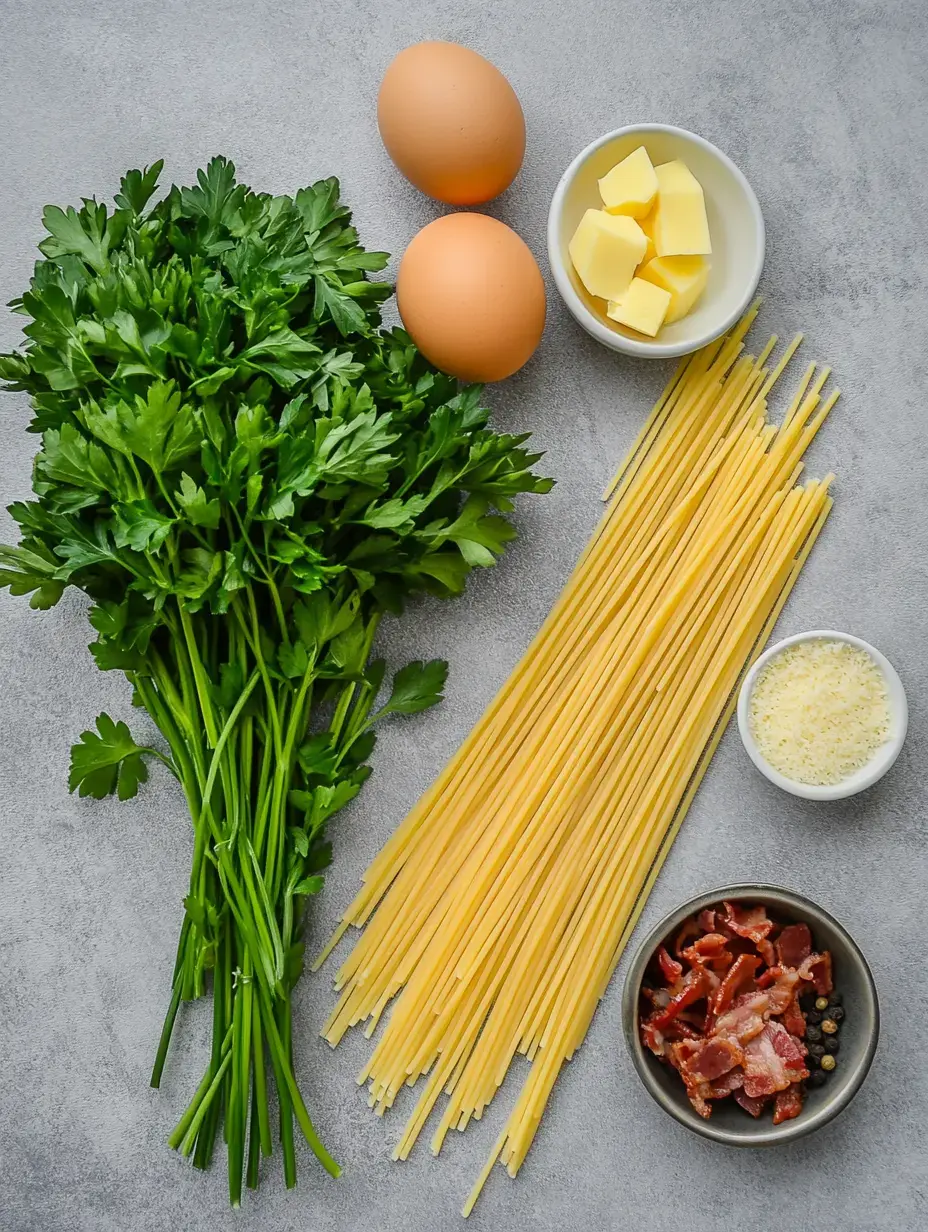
(495,915)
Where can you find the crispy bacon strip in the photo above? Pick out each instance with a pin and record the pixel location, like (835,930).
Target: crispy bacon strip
(732,1081)
(794,1019)
(696,984)
(670,968)
(710,1059)
(781,983)
(751,1103)
(741,970)
(794,945)
(750,922)
(746,1017)
(657,1038)
(689,929)
(767,952)
(709,951)
(817,969)
(787,1104)
(772,1060)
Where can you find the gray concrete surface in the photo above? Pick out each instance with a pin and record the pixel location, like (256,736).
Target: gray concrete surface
(824,106)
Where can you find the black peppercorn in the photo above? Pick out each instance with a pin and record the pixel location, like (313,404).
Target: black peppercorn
(836,1013)
(836,998)
(807,1002)
(817,1051)
(814,1034)
(816,1079)
(832,1044)
(813,1016)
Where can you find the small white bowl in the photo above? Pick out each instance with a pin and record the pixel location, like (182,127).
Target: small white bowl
(736,227)
(882,759)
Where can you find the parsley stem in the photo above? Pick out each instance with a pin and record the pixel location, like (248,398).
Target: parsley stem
(166,1032)
(189,1140)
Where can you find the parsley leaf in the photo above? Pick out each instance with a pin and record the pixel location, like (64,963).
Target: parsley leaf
(107,762)
(417,686)
(200,510)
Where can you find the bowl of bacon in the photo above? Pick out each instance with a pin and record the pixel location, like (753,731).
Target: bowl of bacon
(751,1015)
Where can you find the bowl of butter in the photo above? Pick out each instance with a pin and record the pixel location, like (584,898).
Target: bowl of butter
(655,240)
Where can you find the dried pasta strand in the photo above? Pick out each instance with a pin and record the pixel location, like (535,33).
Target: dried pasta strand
(496,914)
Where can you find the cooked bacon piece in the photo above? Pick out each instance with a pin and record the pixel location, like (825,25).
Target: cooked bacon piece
(732,1081)
(657,1038)
(652,1038)
(694,1017)
(696,984)
(781,984)
(670,968)
(793,1019)
(745,1019)
(659,997)
(751,1103)
(750,922)
(689,929)
(772,1060)
(709,951)
(787,1104)
(794,945)
(817,968)
(709,1059)
(741,970)
(698,1092)
(767,952)
(706,919)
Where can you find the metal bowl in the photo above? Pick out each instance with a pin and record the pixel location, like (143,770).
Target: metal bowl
(860,1029)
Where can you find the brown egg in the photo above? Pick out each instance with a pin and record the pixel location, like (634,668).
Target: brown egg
(472,296)
(451,122)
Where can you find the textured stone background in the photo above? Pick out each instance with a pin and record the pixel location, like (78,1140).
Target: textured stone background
(824,106)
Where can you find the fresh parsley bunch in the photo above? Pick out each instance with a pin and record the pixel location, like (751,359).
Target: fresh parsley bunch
(244,473)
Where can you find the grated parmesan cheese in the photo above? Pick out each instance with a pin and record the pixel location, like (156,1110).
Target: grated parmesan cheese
(819,711)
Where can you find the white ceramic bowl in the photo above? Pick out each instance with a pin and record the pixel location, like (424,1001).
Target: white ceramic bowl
(882,759)
(736,227)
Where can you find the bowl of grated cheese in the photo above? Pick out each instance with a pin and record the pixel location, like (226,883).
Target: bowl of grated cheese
(822,715)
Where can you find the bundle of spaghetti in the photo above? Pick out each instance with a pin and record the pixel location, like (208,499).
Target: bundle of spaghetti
(497,912)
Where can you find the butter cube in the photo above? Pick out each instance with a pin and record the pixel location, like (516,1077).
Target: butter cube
(684,278)
(631,186)
(642,307)
(680,224)
(605,250)
(647,226)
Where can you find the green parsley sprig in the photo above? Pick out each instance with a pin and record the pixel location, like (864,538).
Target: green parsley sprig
(244,473)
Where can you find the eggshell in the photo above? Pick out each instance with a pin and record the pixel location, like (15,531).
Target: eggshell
(472,297)
(451,122)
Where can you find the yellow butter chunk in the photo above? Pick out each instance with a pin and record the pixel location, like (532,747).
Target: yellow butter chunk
(642,307)
(684,278)
(605,250)
(631,186)
(647,226)
(680,224)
